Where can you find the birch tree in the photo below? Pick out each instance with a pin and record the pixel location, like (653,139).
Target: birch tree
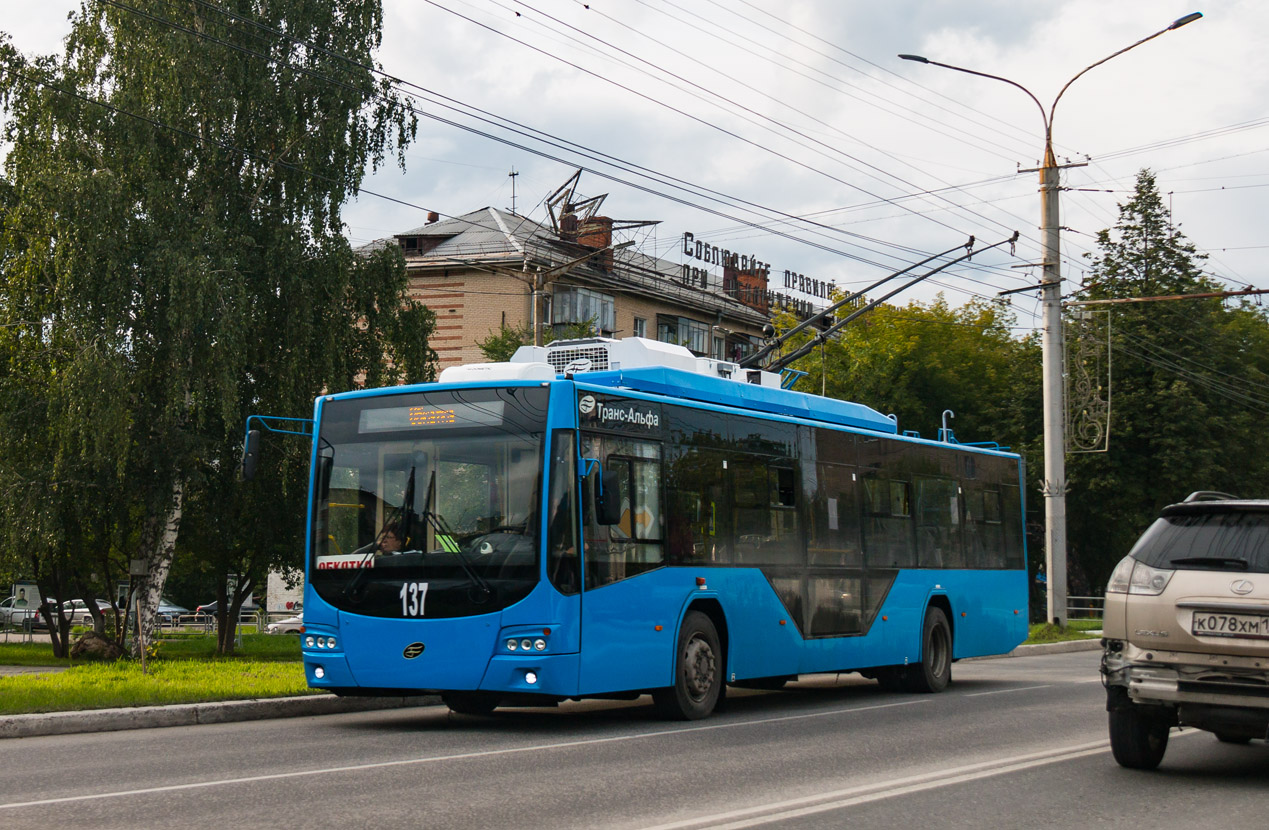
(173,257)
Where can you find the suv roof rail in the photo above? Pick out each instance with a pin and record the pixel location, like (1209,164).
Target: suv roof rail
(1208,495)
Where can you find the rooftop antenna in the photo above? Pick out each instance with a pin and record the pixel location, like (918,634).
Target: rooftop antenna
(513,175)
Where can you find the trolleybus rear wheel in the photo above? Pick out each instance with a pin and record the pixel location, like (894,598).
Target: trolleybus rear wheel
(934,671)
(698,672)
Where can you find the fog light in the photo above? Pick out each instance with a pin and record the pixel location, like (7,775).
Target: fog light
(309,641)
(319,672)
(526,644)
(531,677)
(512,645)
(539,644)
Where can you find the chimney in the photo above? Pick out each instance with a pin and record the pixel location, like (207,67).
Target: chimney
(596,232)
(432,216)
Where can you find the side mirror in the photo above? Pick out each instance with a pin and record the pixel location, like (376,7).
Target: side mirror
(608,498)
(250,454)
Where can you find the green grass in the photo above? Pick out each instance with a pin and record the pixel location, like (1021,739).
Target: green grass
(1075,630)
(121,684)
(263,647)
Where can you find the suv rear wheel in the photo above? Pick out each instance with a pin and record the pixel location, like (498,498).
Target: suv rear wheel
(1137,740)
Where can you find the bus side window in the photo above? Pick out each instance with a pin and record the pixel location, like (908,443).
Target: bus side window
(629,540)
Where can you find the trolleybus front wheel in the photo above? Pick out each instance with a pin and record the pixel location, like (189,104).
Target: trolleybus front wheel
(698,672)
(470,703)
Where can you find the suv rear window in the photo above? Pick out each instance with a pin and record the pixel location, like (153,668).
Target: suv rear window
(1233,540)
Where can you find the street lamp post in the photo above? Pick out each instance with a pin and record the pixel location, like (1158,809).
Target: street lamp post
(1051,345)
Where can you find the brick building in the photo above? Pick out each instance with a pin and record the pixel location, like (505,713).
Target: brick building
(491,268)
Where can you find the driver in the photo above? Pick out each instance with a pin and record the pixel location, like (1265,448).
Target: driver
(389,542)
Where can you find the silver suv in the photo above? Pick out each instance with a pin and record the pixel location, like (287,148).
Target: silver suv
(1187,628)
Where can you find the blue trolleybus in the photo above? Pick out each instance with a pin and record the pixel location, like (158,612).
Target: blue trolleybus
(611,518)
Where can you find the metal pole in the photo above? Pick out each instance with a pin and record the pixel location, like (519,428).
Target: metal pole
(1051,348)
(1051,343)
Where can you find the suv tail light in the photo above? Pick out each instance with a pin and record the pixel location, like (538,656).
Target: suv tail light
(1133,577)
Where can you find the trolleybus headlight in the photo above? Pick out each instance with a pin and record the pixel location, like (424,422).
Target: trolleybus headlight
(531,677)
(539,644)
(512,645)
(319,672)
(526,644)
(330,642)
(309,641)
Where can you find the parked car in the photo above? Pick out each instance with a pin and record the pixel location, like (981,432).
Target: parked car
(77,611)
(290,625)
(170,613)
(209,609)
(1186,629)
(6,610)
(17,612)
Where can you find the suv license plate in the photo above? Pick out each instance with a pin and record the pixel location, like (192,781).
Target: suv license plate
(1209,624)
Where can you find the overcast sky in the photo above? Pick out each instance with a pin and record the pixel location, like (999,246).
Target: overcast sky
(728,118)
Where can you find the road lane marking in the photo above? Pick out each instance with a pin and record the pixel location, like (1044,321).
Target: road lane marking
(778,812)
(1007,691)
(462,756)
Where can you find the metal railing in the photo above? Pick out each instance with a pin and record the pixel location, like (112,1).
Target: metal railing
(1085,608)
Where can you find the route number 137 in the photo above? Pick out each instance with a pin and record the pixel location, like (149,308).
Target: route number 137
(412,596)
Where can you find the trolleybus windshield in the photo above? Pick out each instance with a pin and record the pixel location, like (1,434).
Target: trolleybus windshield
(426,504)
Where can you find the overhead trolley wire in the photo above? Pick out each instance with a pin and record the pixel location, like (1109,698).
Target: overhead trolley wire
(303,70)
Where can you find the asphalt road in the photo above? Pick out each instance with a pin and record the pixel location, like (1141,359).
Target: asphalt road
(1013,743)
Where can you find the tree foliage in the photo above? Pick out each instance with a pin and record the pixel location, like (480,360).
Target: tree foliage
(500,345)
(1189,391)
(916,361)
(173,261)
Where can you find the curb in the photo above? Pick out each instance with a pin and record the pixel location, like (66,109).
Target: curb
(188,714)
(1056,648)
(1044,648)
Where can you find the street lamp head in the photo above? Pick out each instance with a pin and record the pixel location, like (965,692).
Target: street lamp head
(1181,21)
(916,58)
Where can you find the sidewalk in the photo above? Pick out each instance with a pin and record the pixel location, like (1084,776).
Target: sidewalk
(189,714)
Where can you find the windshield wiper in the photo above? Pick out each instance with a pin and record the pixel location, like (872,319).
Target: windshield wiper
(449,543)
(1215,562)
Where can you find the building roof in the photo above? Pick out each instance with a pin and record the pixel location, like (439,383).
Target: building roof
(493,236)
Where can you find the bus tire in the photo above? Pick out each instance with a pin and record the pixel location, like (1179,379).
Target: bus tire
(934,671)
(1137,740)
(698,672)
(470,703)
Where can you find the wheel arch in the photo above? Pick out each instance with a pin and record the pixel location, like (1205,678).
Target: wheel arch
(712,608)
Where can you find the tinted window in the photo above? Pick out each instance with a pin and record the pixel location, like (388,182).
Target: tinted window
(1207,536)
(835,518)
(634,544)
(562,560)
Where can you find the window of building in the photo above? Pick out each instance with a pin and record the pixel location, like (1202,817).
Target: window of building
(668,329)
(640,327)
(684,331)
(574,305)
